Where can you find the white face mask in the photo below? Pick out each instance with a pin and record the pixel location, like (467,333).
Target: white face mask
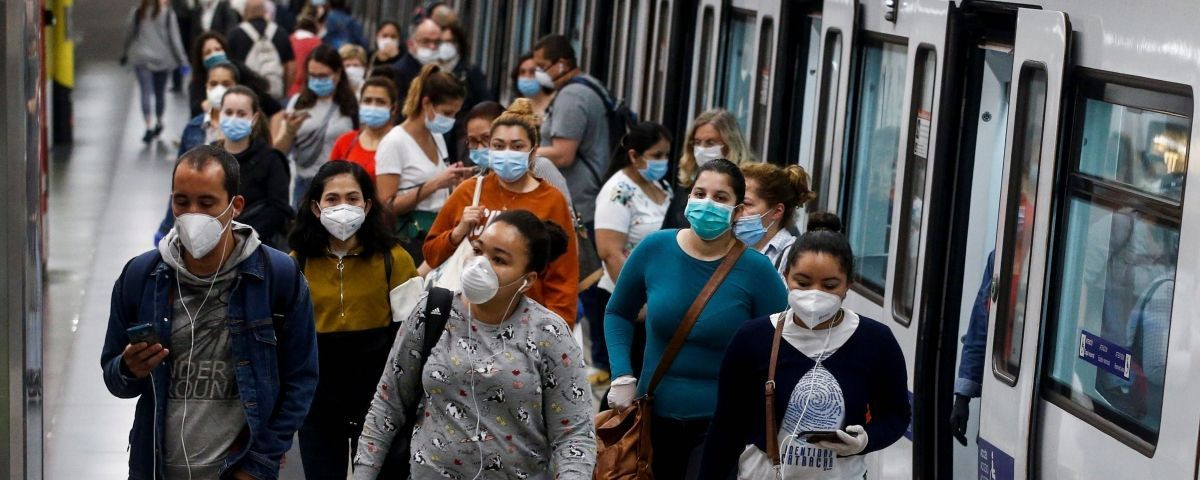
(814,307)
(342,221)
(447,52)
(704,155)
(425,55)
(200,233)
(356,74)
(543,78)
(479,280)
(215,95)
(383,43)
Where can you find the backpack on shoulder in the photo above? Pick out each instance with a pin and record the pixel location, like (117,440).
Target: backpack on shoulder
(264,58)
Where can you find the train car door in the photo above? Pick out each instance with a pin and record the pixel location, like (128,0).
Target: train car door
(1039,61)
(839,22)
(704,56)
(747,60)
(885,192)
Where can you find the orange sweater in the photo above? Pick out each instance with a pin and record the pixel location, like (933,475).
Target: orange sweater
(558,287)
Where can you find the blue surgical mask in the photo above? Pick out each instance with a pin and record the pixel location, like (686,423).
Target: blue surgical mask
(528,86)
(656,169)
(235,128)
(479,156)
(509,165)
(213,59)
(318,3)
(750,230)
(322,86)
(374,117)
(709,219)
(440,125)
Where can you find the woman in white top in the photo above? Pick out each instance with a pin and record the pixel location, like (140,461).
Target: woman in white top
(411,172)
(773,195)
(630,205)
(314,119)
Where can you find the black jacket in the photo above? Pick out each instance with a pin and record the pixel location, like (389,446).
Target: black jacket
(264,185)
(225,18)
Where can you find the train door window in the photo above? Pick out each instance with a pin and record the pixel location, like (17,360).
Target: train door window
(632,53)
(483,35)
(878,113)
(762,95)
(705,61)
(737,80)
(913,207)
(1019,215)
(577,22)
(804,108)
(1116,258)
(823,144)
(658,71)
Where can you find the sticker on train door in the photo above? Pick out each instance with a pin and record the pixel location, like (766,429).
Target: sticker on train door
(1104,354)
(994,464)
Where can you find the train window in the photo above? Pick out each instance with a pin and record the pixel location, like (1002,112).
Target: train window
(632,52)
(878,113)
(658,71)
(823,145)
(705,61)
(758,129)
(618,46)
(912,210)
(738,67)
(1019,219)
(1116,259)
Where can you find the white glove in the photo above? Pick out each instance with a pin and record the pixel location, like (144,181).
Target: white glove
(853,441)
(622,391)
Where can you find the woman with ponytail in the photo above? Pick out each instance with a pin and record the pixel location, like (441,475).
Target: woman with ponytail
(412,172)
(509,185)
(774,195)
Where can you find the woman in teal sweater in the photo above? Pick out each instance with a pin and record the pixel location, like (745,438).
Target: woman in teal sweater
(665,273)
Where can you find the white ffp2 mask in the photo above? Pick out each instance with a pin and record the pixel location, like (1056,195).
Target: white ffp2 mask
(814,307)
(342,221)
(199,232)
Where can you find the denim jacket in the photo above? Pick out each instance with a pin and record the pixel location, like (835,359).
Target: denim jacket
(970,369)
(275,353)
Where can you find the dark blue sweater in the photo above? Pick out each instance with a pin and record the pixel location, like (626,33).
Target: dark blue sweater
(869,368)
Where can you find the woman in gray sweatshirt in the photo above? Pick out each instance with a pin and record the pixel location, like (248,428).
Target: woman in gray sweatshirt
(504,393)
(153,48)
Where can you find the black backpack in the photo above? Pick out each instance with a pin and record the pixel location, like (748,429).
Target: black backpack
(618,114)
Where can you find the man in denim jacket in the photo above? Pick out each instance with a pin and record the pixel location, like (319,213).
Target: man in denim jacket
(228,379)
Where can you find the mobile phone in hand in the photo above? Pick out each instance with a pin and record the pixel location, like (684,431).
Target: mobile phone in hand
(144,333)
(814,436)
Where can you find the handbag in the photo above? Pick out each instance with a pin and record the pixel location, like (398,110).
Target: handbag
(448,275)
(623,448)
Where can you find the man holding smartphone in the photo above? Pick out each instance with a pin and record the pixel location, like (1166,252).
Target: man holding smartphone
(213,332)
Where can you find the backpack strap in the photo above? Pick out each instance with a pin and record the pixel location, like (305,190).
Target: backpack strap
(437,312)
(133,287)
(269,34)
(609,104)
(283,299)
(250,31)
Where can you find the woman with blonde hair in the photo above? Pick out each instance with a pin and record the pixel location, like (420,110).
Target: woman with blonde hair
(511,185)
(714,134)
(773,196)
(412,169)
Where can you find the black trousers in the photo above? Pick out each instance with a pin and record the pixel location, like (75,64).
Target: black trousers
(678,445)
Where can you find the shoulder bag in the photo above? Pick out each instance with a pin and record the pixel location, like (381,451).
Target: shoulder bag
(623,448)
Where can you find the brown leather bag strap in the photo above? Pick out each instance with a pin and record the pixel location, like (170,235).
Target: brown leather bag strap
(772,439)
(693,313)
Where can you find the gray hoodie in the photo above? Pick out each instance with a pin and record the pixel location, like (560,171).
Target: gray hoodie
(154,43)
(204,411)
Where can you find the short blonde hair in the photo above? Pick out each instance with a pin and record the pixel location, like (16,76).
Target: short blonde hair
(731,135)
(352,51)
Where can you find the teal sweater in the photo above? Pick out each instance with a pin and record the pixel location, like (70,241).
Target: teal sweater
(661,276)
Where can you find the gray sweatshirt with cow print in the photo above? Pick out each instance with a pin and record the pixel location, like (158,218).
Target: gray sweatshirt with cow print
(509,401)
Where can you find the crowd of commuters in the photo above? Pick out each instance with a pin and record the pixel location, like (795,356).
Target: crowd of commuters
(388,170)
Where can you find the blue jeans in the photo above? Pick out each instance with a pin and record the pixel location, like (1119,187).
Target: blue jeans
(152,85)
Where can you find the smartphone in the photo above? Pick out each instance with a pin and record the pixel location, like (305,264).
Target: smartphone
(144,333)
(814,436)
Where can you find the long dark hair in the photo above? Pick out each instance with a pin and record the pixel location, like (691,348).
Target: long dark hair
(152,6)
(310,239)
(343,95)
(639,139)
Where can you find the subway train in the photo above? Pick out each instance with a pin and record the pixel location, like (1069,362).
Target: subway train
(1054,133)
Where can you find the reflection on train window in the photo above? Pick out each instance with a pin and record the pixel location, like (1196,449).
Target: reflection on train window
(662,32)
(631,51)
(1019,214)
(737,82)
(920,125)
(483,36)
(831,74)
(617,47)
(704,61)
(1116,261)
(762,92)
(878,113)
(1139,148)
